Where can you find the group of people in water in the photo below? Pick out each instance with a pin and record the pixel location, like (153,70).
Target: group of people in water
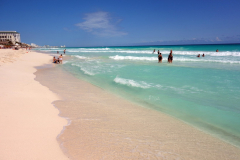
(203,55)
(60,58)
(170,56)
(64,51)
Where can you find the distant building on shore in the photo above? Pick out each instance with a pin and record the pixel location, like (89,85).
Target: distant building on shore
(12,36)
(34,45)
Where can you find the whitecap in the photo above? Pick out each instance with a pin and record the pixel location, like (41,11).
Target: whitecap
(117,57)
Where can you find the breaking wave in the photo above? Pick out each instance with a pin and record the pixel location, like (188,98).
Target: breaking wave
(193,53)
(117,57)
(85,71)
(132,83)
(81,57)
(180,59)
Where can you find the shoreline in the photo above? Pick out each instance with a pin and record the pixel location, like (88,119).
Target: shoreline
(100,124)
(106,126)
(30,123)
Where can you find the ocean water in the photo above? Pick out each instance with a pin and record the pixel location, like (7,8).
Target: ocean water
(203,92)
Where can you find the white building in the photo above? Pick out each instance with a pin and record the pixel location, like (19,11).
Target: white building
(13,36)
(34,45)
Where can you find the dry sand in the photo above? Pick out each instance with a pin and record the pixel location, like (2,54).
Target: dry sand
(29,121)
(104,126)
(9,55)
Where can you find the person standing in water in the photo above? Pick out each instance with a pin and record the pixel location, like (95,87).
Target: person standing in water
(160,58)
(203,55)
(60,59)
(158,52)
(153,51)
(64,51)
(170,57)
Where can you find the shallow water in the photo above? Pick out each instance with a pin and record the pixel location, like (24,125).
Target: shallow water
(203,92)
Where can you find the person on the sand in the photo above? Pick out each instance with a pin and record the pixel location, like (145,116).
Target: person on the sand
(60,58)
(54,59)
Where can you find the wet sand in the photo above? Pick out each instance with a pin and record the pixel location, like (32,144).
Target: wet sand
(105,126)
(29,122)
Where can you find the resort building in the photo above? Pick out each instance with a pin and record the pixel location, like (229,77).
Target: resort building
(12,36)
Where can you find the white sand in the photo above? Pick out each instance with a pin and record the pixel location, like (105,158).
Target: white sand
(29,122)
(9,55)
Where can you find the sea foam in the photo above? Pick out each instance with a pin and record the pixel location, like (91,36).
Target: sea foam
(180,59)
(132,83)
(81,57)
(164,52)
(117,57)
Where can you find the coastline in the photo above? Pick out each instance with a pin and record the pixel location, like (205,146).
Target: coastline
(106,126)
(29,121)
(101,125)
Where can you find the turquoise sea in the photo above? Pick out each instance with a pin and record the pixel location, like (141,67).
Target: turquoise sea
(203,92)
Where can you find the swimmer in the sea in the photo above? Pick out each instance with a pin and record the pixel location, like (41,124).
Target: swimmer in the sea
(203,55)
(160,58)
(198,55)
(170,57)
(153,51)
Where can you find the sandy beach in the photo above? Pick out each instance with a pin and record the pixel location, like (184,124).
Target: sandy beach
(29,121)
(106,126)
(102,125)
(10,56)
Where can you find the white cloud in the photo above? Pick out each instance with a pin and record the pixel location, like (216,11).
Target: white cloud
(99,23)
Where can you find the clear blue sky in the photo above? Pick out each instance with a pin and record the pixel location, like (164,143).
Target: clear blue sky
(122,22)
